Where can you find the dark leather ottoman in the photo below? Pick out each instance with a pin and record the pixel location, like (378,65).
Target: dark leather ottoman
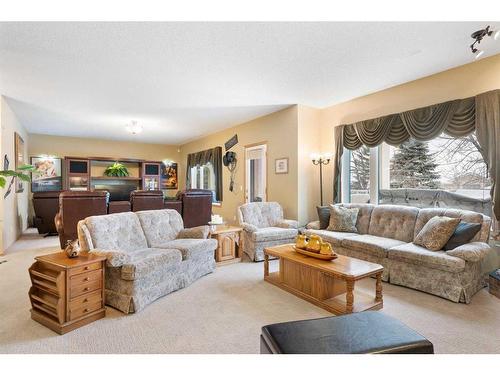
(360,333)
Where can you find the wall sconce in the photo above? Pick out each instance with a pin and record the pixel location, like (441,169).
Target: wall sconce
(318,159)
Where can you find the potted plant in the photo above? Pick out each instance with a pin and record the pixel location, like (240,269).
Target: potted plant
(22,172)
(116,170)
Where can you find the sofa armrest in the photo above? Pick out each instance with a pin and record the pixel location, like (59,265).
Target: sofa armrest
(313,225)
(200,232)
(471,252)
(287,224)
(249,227)
(113,258)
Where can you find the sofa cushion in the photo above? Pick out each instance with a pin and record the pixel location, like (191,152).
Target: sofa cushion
(436,232)
(364,215)
(323,216)
(411,253)
(425,214)
(463,234)
(343,219)
(200,232)
(375,245)
(122,232)
(334,238)
(391,221)
(191,247)
(274,234)
(143,262)
(160,226)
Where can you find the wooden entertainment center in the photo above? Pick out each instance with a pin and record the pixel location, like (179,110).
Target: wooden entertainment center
(85,173)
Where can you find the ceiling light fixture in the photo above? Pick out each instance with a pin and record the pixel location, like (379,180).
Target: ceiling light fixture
(478,37)
(134,128)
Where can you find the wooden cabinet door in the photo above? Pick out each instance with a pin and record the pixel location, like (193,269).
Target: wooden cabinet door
(227,247)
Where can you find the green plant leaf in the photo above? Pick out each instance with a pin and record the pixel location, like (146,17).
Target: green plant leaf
(116,170)
(9,173)
(24,177)
(26,167)
(2,182)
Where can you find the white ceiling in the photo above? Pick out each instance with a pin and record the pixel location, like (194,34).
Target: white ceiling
(185,80)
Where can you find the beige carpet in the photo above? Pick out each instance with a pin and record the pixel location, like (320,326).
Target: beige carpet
(223,313)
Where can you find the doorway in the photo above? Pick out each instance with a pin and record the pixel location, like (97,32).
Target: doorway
(256,173)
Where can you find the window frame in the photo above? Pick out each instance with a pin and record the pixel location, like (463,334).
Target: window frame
(376,168)
(199,171)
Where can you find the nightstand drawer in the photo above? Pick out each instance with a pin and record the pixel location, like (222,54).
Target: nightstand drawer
(89,267)
(83,310)
(86,277)
(85,300)
(78,290)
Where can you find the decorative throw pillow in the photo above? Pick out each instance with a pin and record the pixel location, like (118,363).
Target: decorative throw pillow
(343,219)
(436,232)
(323,216)
(463,234)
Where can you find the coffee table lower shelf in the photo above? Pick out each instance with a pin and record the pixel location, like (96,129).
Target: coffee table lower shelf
(336,304)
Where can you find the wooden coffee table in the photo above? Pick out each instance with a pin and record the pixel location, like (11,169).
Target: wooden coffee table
(327,284)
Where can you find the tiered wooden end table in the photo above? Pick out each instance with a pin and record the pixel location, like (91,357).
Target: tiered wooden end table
(228,238)
(67,293)
(327,284)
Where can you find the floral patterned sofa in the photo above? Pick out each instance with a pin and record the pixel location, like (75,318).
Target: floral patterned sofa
(149,254)
(385,235)
(264,226)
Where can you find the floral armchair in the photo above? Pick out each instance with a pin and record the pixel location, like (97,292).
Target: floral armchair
(264,226)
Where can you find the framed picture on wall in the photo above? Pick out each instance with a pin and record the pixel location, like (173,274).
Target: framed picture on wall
(19,152)
(281,166)
(169,176)
(47,175)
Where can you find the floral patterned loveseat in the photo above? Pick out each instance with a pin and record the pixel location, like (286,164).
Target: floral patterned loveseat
(149,254)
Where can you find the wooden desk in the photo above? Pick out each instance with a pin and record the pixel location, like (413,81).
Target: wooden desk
(327,284)
(67,293)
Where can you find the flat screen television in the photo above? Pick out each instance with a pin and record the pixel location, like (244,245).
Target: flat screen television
(118,190)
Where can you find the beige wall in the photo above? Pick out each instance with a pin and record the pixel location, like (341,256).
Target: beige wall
(90,147)
(279,131)
(73,146)
(14,208)
(309,142)
(464,81)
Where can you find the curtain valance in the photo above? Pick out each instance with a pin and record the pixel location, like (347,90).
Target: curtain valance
(457,118)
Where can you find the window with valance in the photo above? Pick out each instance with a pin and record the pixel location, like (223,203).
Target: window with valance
(204,171)
(477,116)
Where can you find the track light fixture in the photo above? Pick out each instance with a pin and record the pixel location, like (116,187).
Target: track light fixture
(478,37)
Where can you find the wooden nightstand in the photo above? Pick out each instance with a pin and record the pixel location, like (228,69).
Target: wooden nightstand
(228,238)
(67,293)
